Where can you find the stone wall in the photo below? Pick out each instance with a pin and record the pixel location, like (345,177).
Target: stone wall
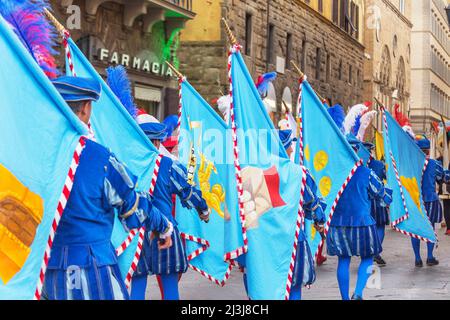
(205,62)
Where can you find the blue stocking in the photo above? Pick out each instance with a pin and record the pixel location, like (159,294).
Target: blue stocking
(430,247)
(169,286)
(416,247)
(138,286)
(364,272)
(343,276)
(245,283)
(380,232)
(296,293)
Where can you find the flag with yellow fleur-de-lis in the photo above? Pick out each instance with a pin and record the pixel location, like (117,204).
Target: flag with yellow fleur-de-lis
(326,153)
(205,148)
(405,164)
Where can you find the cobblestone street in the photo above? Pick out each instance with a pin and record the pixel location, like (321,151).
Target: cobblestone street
(400,279)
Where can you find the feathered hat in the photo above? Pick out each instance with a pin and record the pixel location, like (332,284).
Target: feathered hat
(364,121)
(74,89)
(171,123)
(423,142)
(286,138)
(120,85)
(352,117)
(337,113)
(262,84)
(403,121)
(37,34)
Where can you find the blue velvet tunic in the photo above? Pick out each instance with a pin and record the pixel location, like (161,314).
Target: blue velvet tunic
(172,179)
(352,229)
(83,262)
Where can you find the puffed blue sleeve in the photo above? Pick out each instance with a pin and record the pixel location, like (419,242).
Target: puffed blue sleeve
(439,172)
(190,196)
(446,176)
(134,208)
(378,191)
(313,205)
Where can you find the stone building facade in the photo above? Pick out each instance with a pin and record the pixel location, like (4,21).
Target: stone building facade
(430,64)
(387,64)
(324,38)
(139,34)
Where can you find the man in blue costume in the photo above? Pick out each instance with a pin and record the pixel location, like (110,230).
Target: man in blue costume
(167,264)
(83,262)
(353,229)
(434,174)
(172,179)
(304,272)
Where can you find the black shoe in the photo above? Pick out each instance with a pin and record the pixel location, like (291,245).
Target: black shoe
(379,260)
(432,262)
(419,264)
(356,297)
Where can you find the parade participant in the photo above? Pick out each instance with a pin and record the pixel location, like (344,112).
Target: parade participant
(83,262)
(304,273)
(434,174)
(353,230)
(167,264)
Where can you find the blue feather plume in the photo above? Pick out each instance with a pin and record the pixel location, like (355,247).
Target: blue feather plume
(357,125)
(120,84)
(171,123)
(337,113)
(37,34)
(262,84)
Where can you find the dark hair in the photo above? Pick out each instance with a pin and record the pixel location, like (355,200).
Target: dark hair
(76,106)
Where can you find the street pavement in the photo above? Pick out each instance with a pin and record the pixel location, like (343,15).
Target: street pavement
(398,280)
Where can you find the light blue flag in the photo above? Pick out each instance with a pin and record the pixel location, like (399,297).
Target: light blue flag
(327,154)
(38,136)
(407,196)
(271,183)
(205,132)
(114,128)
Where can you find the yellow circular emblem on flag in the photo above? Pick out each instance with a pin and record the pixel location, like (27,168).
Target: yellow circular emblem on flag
(307,154)
(325,186)
(320,160)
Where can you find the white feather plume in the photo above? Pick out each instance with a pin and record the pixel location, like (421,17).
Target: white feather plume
(409,131)
(352,115)
(366,120)
(223,104)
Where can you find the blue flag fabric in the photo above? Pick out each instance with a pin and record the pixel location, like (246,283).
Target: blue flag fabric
(407,201)
(204,131)
(116,129)
(328,156)
(271,184)
(38,134)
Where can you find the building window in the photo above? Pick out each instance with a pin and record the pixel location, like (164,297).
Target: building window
(318,62)
(271,43)
(248,33)
(303,61)
(336,11)
(350,74)
(343,14)
(340,70)
(288,50)
(320,5)
(357,24)
(394,45)
(328,71)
